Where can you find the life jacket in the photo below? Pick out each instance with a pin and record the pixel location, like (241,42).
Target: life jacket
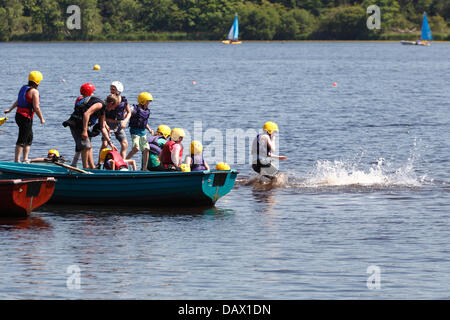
(119,112)
(117,158)
(24,105)
(197,163)
(154,145)
(139,117)
(166,153)
(82,104)
(258,163)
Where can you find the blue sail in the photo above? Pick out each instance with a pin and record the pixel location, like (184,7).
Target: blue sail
(426,32)
(234,30)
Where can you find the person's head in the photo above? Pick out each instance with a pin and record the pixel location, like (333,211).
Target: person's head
(177,135)
(196,147)
(111,101)
(53,154)
(87,89)
(103,154)
(270,127)
(145,98)
(116,87)
(163,131)
(34,78)
(222,166)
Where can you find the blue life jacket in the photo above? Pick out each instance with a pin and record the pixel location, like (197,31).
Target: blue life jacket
(24,107)
(139,117)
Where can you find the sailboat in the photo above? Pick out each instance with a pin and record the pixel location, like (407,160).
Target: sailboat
(425,36)
(233,35)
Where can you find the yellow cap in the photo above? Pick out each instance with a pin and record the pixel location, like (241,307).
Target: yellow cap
(144,97)
(222,166)
(103,153)
(164,130)
(185,167)
(176,134)
(53,152)
(270,127)
(96,67)
(35,76)
(196,147)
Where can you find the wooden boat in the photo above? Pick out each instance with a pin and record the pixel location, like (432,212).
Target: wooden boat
(128,188)
(425,35)
(18,197)
(233,34)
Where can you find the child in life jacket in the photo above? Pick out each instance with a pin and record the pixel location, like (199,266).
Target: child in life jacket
(156,143)
(195,160)
(52,156)
(112,160)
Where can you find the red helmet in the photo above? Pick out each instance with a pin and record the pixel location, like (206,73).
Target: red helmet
(87,89)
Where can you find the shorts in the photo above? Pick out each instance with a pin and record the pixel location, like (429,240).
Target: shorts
(25,124)
(80,144)
(140,142)
(268,170)
(115,127)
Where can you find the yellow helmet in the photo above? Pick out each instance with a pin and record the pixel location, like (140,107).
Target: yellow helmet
(270,127)
(222,166)
(144,97)
(164,130)
(176,134)
(196,147)
(35,76)
(185,167)
(53,153)
(103,153)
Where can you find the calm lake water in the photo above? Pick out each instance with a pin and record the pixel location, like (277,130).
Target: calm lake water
(367,188)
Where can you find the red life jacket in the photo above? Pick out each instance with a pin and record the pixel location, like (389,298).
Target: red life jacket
(166,153)
(117,158)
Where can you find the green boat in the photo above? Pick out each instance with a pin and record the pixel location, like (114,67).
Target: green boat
(127,188)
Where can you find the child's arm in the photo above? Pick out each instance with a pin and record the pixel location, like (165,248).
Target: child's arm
(149,129)
(12,107)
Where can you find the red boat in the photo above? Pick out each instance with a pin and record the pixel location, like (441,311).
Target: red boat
(18,197)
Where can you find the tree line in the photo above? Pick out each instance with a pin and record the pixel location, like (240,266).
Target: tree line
(211,19)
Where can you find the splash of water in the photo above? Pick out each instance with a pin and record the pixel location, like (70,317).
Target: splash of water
(380,174)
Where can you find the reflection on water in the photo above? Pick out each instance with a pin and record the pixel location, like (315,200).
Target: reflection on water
(32,222)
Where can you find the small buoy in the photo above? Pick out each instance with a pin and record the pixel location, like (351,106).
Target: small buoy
(96,67)
(193,82)
(63,80)
(335,84)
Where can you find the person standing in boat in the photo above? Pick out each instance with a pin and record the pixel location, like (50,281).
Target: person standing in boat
(156,143)
(172,152)
(27,104)
(262,150)
(140,114)
(87,112)
(117,119)
(196,160)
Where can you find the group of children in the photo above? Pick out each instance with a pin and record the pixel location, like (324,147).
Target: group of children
(162,151)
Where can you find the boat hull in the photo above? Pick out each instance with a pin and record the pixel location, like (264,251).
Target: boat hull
(18,197)
(128,188)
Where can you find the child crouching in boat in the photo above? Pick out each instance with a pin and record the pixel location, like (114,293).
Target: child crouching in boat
(172,152)
(156,143)
(112,160)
